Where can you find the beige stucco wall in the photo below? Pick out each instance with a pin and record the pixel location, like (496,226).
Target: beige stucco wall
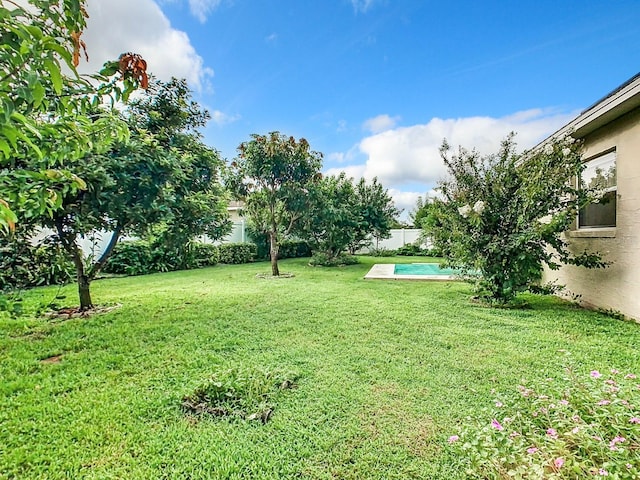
(616,287)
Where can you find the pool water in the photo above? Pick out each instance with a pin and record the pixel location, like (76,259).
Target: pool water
(422,269)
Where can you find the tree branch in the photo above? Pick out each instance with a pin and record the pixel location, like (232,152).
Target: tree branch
(97,267)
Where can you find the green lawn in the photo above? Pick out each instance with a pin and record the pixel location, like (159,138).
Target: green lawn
(387,369)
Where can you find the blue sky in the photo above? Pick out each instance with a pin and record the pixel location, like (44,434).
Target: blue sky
(375,85)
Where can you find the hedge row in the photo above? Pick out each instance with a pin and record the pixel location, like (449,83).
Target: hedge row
(139,257)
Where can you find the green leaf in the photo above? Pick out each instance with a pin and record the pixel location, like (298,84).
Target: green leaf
(56,76)
(38,94)
(4,146)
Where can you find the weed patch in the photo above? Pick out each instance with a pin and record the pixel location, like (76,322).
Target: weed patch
(248,394)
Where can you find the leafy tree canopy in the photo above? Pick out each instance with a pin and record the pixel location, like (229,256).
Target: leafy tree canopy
(272,175)
(45,123)
(343,215)
(503,215)
(162,175)
(421,211)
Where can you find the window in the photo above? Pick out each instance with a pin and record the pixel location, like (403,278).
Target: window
(600,173)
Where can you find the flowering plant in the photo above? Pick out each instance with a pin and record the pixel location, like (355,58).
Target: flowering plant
(487,218)
(587,426)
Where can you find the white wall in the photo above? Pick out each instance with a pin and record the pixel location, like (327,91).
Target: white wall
(399,237)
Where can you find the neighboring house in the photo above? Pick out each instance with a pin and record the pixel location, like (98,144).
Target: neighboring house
(610,130)
(239,231)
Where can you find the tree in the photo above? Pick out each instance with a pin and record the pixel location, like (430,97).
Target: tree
(344,216)
(503,215)
(272,175)
(163,173)
(44,111)
(331,221)
(375,213)
(421,211)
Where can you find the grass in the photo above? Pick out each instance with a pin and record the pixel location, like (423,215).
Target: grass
(385,371)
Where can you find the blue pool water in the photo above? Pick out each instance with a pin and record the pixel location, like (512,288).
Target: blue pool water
(422,269)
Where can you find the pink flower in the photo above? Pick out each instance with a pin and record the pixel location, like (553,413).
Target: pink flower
(615,441)
(496,424)
(595,374)
(526,392)
(563,402)
(603,472)
(499,404)
(629,466)
(575,430)
(514,434)
(558,462)
(453,438)
(614,371)
(604,402)
(552,433)
(635,420)
(532,450)
(610,382)
(630,376)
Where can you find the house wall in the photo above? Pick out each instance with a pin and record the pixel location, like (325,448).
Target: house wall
(616,287)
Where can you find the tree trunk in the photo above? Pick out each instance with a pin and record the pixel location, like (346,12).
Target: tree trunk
(84,292)
(273,252)
(68,240)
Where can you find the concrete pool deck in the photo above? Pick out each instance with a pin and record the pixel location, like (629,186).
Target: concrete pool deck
(385,271)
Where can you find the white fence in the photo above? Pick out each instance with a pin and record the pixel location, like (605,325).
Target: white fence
(96,243)
(399,237)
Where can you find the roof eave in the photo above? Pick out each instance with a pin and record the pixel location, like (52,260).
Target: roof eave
(617,103)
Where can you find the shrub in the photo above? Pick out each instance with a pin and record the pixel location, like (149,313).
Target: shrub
(23,264)
(583,426)
(413,250)
(235,253)
(139,257)
(320,259)
(294,249)
(382,252)
(131,258)
(504,215)
(288,248)
(204,255)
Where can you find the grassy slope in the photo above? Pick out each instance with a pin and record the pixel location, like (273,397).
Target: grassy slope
(387,370)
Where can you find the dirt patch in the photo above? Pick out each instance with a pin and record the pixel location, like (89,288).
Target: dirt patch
(75,312)
(268,276)
(53,359)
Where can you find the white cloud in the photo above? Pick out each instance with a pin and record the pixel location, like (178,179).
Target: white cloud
(221,118)
(352,171)
(405,201)
(140,26)
(201,8)
(361,6)
(380,123)
(336,157)
(410,155)
(271,38)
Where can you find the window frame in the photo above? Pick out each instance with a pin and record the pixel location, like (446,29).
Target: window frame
(614,188)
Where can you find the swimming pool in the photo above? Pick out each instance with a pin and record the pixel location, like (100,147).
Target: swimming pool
(422,269)
(411,271)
